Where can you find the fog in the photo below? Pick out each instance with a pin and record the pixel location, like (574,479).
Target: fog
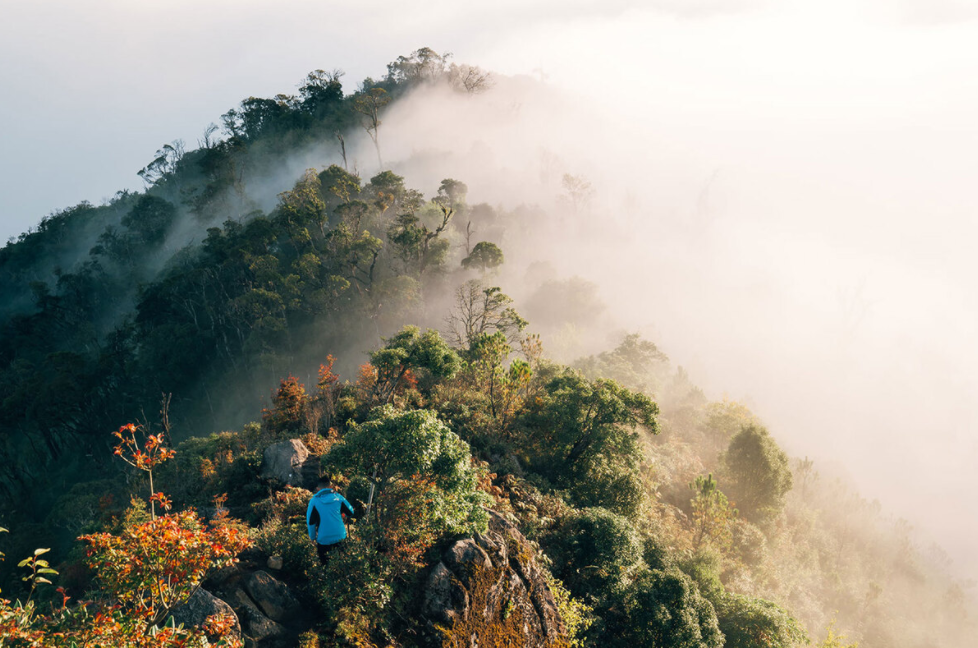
(785,184)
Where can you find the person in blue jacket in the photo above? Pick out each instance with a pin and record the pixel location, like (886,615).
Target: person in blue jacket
(326,518)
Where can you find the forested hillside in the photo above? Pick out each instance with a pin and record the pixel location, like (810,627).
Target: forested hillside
(263,276)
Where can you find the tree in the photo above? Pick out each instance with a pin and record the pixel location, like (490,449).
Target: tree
(451,194)
(150,219)
(482,310)
(664,608)
(417,244)
(410,350)
(583,437)
(321,92)
(595,553)
(145,457)
(726,418)
(369,104)
(755,623)
(303,207)
(484,256)
(759,473)
(469,79)
(712,514)
(164,165)
(422,65)
(290,405)
(588,419)
(399,446)
(579,191)
(635,363)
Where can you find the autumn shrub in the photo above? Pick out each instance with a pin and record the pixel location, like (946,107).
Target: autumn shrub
(288,415)
(144,572)
(150,568)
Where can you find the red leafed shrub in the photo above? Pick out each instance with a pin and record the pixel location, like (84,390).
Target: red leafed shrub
(152,567)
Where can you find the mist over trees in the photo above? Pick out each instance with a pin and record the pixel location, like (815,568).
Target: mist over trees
(667,519)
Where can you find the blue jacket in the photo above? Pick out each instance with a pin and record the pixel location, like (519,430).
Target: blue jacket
(323,517)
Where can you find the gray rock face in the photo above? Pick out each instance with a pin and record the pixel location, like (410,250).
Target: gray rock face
(201,605)
(272,596)
(284,461)
(489,591)
(257,626)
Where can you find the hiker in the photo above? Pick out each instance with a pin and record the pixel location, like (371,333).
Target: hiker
(326,518)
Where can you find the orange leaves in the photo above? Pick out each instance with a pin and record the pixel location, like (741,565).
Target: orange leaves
(366,381)
(327,379)
(163,500)
(150,568)
(145,457)
(218,625)
(145,572)
(289,405)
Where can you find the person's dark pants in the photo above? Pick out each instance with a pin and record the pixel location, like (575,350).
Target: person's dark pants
(325,550)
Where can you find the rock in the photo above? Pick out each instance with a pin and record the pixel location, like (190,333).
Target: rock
(488,590)
(258,626)
(201,605)
(222,576)
(284,461)
(444,596)
(272,596)
(275,562)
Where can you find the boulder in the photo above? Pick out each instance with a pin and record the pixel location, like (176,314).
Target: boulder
(284,462)
(272,596)
(489,591)
(257,626)
(201,605)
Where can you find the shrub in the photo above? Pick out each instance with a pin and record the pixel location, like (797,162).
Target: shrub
(664,608)
(152,567)
(594,552)
(755,623)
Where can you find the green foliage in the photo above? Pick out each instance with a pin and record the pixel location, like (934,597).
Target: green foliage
(410,350)
(480,310)
(759,473)
(583,435)
(713,515)
(594,552)
(484,256)
(415,444)
(635,363)
(664,608)
(755,623)
(576,615)
(290,540)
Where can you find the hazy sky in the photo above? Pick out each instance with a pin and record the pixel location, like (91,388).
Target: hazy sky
(817,157)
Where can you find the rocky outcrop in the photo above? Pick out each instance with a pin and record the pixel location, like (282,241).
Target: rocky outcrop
(270,614)
(201,605)
(272,596)
(257,626)
(489,591)
(292,463)
(284,462)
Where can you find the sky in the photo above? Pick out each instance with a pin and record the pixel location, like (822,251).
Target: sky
(809,164)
